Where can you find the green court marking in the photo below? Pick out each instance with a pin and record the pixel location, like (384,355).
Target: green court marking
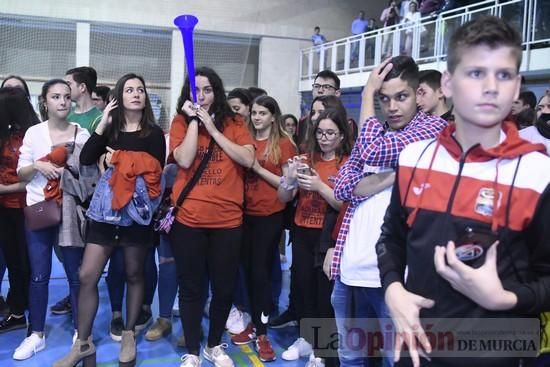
(239,361)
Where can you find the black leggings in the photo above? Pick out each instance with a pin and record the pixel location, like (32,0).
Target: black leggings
(93,262)
(313,288)
(306,241)
(202,254)
(260,240)
(14,247)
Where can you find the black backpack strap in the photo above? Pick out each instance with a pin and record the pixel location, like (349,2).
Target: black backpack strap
(198,173)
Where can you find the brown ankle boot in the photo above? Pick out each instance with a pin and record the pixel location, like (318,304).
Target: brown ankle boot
(81,351)
(127,347)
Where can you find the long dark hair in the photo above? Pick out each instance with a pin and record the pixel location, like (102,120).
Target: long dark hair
(119,119)
(340,120)
(42,97)
(25,86)
(219,107)
(328,101)
(16,113)
(293,118)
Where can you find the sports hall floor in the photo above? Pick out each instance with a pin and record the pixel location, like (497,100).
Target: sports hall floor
(59,331)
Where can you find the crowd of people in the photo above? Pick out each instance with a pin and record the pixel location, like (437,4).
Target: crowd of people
(382,216)
(407,14)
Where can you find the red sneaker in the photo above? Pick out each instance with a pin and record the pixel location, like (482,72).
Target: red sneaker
(264,349)
(247,336)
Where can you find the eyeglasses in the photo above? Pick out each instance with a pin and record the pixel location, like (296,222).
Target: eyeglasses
(323,86)
(328,134)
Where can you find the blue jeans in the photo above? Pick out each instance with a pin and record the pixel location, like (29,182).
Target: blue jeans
(351,304)
(168,280)
(40,244)
(116,278)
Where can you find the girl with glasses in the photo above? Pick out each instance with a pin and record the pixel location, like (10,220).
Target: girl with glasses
(318,105)
(312,176)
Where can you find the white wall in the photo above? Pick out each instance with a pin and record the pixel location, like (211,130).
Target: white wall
(279,71)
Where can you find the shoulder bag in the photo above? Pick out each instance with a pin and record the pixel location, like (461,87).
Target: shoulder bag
(46,213)
(165,214)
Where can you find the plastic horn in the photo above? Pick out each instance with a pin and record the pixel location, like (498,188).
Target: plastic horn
(186,23)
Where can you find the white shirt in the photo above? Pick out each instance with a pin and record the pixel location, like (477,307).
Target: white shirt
(404,9)
(532,134)
(410,20)
(359,266)
(37,143)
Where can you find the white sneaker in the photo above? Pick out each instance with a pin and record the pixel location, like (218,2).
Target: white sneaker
(237,321)
(300,348)
(29,346)
(218,356)
(315,361)
(233,315)
(190,360)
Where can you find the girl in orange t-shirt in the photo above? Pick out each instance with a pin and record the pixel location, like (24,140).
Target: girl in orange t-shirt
(16,115)
(263,220)
(207,233)
(312,177)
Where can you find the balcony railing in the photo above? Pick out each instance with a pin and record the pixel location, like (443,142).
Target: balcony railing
(360,53)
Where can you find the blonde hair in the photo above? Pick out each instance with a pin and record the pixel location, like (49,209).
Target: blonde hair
(276,133)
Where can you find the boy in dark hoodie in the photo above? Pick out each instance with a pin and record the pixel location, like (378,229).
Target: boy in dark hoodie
(477,185)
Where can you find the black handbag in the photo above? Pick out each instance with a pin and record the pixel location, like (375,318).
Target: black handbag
(42,215)
(46,213)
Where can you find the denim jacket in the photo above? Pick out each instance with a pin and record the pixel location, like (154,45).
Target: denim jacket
(139,210)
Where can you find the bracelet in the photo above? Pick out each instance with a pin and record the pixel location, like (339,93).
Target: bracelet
(287,186)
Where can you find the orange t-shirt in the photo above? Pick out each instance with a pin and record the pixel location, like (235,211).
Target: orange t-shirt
(261,197)
(216,201)
(311,207)
(8,172)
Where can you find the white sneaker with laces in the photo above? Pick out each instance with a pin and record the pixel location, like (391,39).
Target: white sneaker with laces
(300,348)
(315,361)
(190,360)
(218,356)
(29,347)
(237,321)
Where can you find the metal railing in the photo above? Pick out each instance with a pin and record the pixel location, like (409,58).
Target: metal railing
(427,39)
